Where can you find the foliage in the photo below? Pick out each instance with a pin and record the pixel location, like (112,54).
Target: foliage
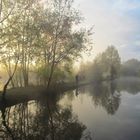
(106,66)
(41,34)
(131,68)
(110,63)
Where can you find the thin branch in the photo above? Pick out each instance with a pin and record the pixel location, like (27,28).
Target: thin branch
(64,54)
(7,83)
(6,17)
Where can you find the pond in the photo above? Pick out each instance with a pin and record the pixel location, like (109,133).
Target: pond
(105,111)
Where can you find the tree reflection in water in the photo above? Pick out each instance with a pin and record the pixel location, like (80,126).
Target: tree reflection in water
(48,120)
(106,95)
(40,120)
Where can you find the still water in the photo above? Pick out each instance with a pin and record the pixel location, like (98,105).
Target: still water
(107,111)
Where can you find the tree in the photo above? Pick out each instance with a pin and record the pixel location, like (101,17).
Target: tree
(17,38)
(66,43)
(110,63)
(106,66)
(131,68)
(6,9)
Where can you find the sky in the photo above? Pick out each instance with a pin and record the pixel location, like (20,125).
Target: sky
(116,22)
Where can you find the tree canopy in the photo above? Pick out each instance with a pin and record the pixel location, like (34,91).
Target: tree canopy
(106,66)
(40,35)
(131,68)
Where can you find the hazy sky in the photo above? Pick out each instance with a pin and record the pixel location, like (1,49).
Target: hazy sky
(116,22)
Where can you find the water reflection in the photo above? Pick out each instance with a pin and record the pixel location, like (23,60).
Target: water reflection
(40,120)
(130,85)
(105,95)
(47,119)
(109,110)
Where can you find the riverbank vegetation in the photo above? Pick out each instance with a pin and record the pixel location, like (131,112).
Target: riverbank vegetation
(40,40)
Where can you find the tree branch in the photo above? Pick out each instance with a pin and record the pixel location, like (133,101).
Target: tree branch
(7,83)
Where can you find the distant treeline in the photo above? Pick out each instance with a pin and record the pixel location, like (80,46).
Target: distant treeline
(108,66)
(131,68)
